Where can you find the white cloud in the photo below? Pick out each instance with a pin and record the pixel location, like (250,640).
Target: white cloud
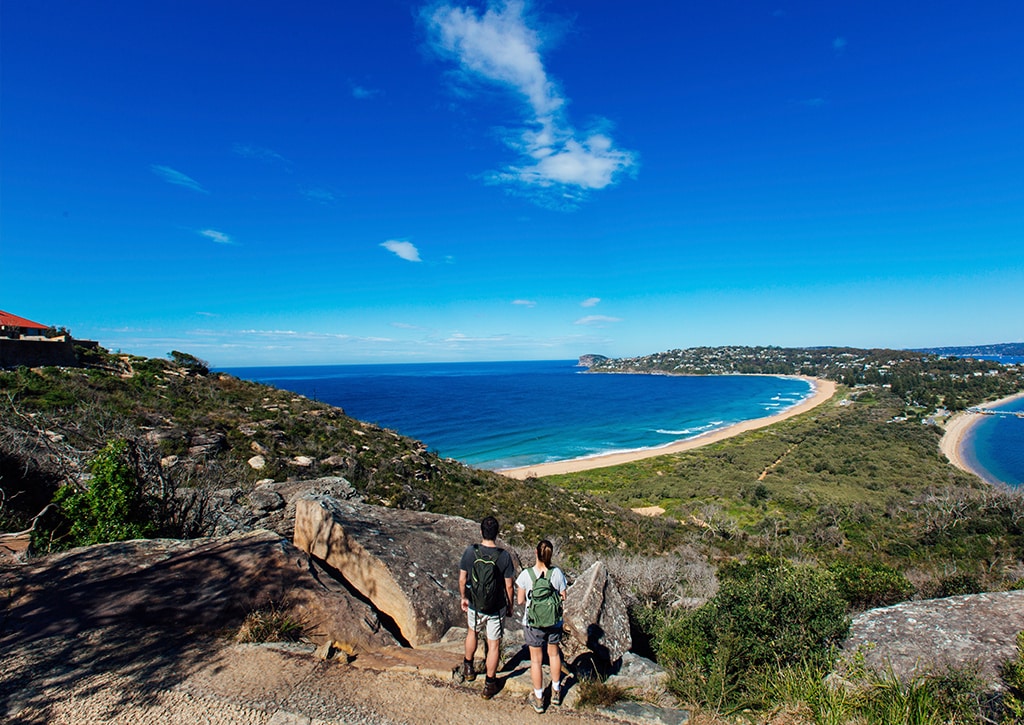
(219,237)
(597,320)
(405,250)
(172,176)
(590,302)
(525,303)
(501,48)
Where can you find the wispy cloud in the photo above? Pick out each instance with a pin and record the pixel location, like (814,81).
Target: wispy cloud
(405,250)
(598,320)
(219,237)
(525,303)
(405,326)
(362,93)
(319,195)
(590,302)
(173,176)
(503,47)
(248,151)
(816,102)
(839,44)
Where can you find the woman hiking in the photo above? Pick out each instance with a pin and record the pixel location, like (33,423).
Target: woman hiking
(542,588)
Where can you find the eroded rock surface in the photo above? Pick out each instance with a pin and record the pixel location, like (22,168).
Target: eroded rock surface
(915,637)
(596,619)
(405,562)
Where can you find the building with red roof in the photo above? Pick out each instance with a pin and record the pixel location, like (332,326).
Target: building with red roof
(14,326)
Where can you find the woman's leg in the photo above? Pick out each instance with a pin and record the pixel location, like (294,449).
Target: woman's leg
(555,663)
(536,670)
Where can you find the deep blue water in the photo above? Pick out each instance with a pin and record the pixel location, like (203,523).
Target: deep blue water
(995,446)
(508,414)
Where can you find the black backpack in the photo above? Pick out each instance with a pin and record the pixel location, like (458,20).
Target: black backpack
(486,585)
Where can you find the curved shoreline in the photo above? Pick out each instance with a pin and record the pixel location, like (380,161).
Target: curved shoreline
(957,429)
(823,391)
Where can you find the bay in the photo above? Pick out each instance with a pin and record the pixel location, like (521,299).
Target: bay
(994,446)
(507,414)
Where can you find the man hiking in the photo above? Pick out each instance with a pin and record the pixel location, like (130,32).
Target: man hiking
(485,584)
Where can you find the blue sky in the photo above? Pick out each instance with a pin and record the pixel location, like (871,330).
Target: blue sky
(339,182)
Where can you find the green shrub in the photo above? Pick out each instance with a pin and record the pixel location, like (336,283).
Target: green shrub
(112,508)
(1012,673)
(868,586)
(767,614)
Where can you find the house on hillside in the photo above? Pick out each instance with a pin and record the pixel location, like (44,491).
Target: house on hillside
(16,327)
(24,342)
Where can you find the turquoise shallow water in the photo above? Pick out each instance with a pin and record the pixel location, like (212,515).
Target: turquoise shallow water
(995,446)
(508,414)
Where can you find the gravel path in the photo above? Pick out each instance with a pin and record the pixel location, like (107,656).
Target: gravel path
(147,677)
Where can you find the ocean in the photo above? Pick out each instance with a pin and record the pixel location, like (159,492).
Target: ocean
(498,415)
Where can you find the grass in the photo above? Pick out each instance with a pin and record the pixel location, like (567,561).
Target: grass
(272,622)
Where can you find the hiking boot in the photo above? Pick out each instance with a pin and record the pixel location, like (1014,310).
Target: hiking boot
(468,672)
(537,704)
(556,696)
(490,688)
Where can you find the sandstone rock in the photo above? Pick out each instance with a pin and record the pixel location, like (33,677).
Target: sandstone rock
(915,637)
(302,461)
(263,501)
(204,584)
(257,448)
(206,443)
(168,461)
(638,672)
(595,617)
(405,562)
(257,463)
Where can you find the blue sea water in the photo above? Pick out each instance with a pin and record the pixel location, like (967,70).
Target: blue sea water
(995,446)
(506,414)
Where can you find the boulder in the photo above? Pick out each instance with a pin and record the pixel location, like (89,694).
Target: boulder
(406,563)
(199,585)
(916,637)
(596,620)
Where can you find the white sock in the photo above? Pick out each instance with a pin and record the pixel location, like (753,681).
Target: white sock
(556,686)
(539,694)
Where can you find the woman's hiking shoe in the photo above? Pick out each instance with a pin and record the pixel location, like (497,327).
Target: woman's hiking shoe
(490,688)
(538,705)
(468,673)
(556,696)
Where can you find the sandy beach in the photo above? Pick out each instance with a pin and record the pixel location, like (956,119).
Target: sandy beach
(957,429)
(823,390)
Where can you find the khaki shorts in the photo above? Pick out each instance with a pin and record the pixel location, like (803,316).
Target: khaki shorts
(492,625)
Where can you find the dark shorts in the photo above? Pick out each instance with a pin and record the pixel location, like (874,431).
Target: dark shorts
(539,637)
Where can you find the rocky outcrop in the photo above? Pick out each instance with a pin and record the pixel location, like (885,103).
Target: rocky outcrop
(405,562)
(201,585)
(922,636)
(596,619)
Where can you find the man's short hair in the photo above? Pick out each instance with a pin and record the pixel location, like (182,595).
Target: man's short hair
(489,528)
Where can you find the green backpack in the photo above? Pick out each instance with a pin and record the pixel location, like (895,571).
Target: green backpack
(545,607)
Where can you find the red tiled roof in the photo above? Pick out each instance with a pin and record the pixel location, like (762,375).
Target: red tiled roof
(9,320)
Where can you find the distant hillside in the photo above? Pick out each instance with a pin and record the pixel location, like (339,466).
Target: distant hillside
(1003,349)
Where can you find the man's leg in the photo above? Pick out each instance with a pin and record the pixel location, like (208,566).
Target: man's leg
(493,652)
(468,673)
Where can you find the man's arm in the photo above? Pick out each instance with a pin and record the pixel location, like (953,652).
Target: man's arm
(462,590)
(509,596)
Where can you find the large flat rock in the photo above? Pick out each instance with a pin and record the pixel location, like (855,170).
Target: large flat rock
(915,637)
(204,584)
